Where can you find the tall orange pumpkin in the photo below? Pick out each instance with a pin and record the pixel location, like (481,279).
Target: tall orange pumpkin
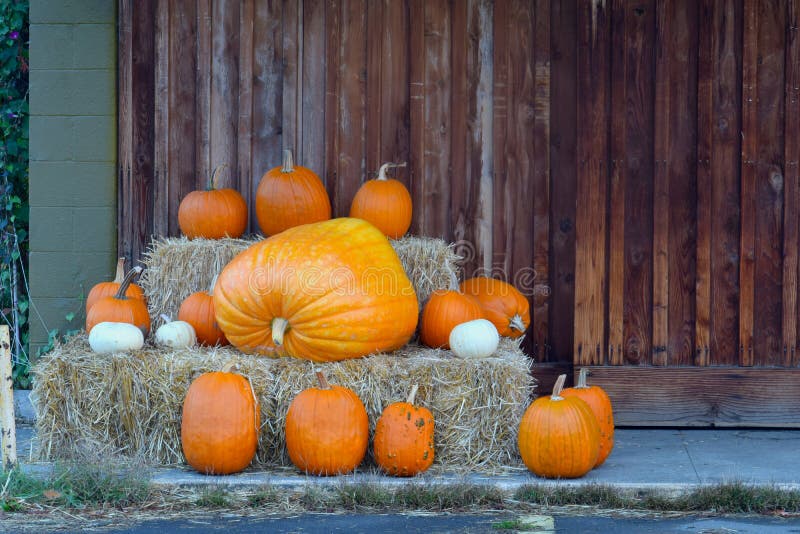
(559,436)
(444,311)
(326,291)
(327,429)
(600,403)
(384,202)
(107,289)
(198,310)
(403,444)
(220,423)
(119,308)
(213,213)
(289,196)
(502,304)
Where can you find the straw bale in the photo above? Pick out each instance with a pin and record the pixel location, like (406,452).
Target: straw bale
(176,267)
(129,404)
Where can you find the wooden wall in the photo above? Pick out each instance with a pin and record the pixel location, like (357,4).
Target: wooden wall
(640,158)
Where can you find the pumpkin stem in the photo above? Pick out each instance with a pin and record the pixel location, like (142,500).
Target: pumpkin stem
(120,274)
(231,366)
(558,387)
(213,284)
(288,161)
(453,281)
(212,184)
(166,318)
(323,382)
(410,399)
(279,328)
(387,166)
(517,324)
(123,286)
(582,378)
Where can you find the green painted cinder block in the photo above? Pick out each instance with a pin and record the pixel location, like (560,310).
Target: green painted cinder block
(95,46)
(73,183)
(51,139)
(72,92)
(72,11)
(51,229)
(68,274)
(52,46)
(54,313)
(95,138)
(95,230)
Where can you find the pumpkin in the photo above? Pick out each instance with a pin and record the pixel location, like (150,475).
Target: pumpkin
(403,444)
(326,291)
(502,304)
(198,310)
(600,403)
(108,337)
(289,196)
(220,422)
(107,289)
(445,310)
(559,436)
(474,339)
(327,429)
(384,202)
(175,334)
(119,308)
(213,213)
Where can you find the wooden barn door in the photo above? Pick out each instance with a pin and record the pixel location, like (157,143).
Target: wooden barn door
(632,165)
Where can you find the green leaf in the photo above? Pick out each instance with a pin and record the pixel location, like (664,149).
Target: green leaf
(70,316)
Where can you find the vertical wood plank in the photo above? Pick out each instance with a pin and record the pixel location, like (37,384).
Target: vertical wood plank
(225,89)
(333,60)
(266,94)
(375,59)
(394,85)
(616,215)
(748,181)
(293,78)
(312,115)
(203,162)
(244,143)
(125,118)
(705,103)
(791,221)
(163,198)
(416,95)
(725,176)
(592,183)
(769,184)
(540,322)
(563,145)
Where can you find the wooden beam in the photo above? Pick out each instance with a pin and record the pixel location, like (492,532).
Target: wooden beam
(708,396)
(8,432)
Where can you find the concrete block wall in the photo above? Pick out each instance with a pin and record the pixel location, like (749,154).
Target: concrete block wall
(73,150)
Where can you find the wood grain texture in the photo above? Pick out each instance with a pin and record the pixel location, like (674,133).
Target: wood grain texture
(125,111)
(164,196)
(292,25)
(592,174)
(225,89)
(244,133)
(791,221)
(333,13)
(685,396)
(312,111)
(204,62)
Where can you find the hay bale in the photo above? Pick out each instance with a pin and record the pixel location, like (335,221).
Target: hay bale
(130,404)
(176,267)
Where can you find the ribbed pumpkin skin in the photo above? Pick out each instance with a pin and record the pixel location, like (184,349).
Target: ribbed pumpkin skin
(213,214)
(112,309)
(501,303)
(338,283)
(220,423)
(108,289)
(444,311)
(288,199)
(386,204)
(559,438)
(600,404)
(403,443)
(198,310)
(327,431)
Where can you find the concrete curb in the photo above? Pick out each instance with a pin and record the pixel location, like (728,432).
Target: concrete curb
(23,408)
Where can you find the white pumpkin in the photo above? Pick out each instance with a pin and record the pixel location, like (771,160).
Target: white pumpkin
(474,339)
(108,337)
(175,334)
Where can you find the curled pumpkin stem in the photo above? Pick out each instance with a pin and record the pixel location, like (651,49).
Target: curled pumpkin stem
(123,286)
(323,382)
(212,184)
(387,166)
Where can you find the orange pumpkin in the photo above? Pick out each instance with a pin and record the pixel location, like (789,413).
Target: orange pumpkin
(600,403)
(444,311)
(403,444)
(107,289)
(559,436)
(289,196)
(384,202)
(327,429)
(198,310)
(213,213)
(326,291)
(119,308)
(502,304)
(220,423)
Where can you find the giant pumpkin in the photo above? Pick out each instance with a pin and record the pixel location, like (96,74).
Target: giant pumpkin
(324,291)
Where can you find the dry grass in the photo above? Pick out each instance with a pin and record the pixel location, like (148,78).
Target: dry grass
(430,264)
(129,404)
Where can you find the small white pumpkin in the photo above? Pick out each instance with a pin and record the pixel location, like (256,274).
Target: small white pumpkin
(474,339)
(175,334)
(109,337)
